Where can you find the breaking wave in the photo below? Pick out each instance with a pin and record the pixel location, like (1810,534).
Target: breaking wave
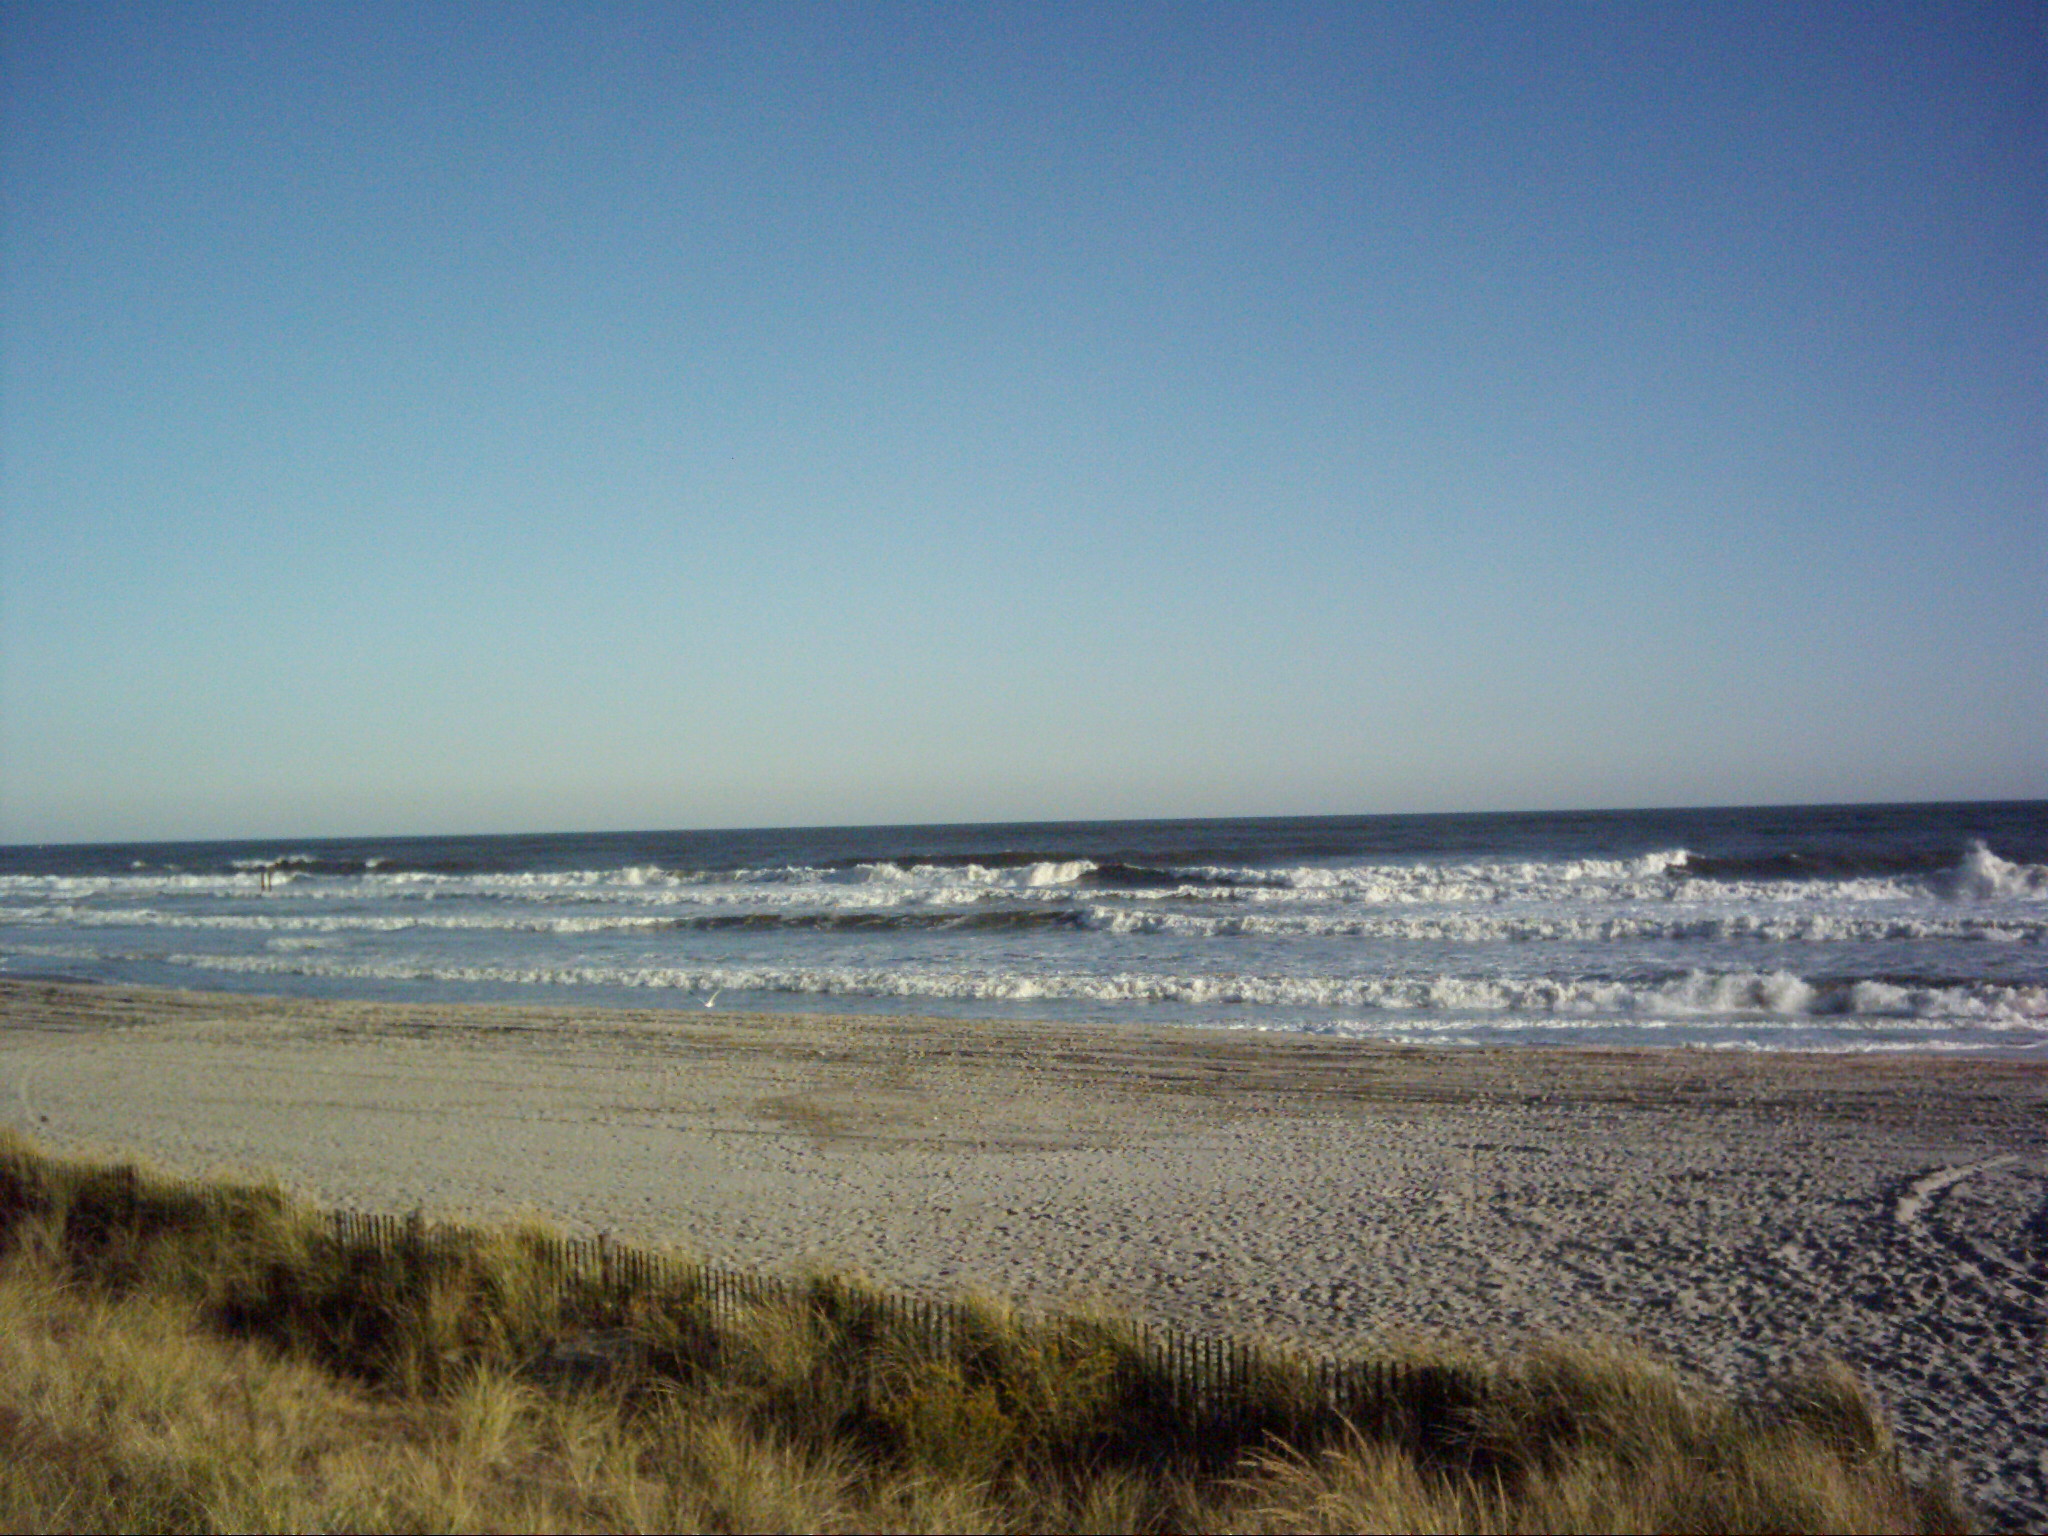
(1886,927)
(1670,875)
(1451,927)
(1984,876)
(1693,994)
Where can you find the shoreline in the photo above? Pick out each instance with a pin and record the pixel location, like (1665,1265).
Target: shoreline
(1733,1211)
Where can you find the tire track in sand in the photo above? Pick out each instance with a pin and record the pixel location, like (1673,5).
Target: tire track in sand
(1924,1189)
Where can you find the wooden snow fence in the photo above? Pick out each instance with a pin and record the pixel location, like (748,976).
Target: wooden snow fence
(1195,1389)
(1212,1385)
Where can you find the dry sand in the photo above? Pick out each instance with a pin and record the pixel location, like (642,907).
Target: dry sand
(1734,1212)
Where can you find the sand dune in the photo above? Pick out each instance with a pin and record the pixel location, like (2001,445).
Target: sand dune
(1731,1210)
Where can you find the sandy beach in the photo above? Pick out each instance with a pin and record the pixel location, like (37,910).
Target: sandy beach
(1733,1211)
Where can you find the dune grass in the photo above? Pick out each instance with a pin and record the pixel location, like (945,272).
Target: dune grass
(210,1358)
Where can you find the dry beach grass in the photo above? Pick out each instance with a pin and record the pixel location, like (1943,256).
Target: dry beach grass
(182,1358)
(1737,1215)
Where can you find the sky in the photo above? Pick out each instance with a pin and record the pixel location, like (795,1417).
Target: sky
(429,418)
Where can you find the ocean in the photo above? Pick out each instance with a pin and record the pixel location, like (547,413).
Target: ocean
(1848,928)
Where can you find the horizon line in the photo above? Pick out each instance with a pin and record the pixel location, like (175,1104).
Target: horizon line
(1043,821)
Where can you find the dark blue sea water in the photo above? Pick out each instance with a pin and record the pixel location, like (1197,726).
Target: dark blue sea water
(1901,927)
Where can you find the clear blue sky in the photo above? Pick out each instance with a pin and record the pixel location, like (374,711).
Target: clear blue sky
(490,417)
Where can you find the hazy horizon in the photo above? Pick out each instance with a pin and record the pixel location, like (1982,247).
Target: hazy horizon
(1531,812)
(551,418)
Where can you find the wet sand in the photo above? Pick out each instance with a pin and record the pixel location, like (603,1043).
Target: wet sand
(1734,1212)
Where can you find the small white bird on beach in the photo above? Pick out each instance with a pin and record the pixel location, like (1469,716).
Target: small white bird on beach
(712,998)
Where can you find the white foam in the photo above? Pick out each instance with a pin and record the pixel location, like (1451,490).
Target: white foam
(1065,872)
(1455,928)
(1658,878)
(1900,1038)
(1442,946)
(1984,876)
(1508,927)
(354,922)
(1696,994)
